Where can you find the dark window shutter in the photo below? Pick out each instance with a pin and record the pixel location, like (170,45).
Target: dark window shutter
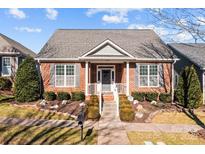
(77,75)
(161,75)
(52,75)
(0,65)
(136,75)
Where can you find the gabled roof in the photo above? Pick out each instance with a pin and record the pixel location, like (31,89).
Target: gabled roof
(195,52)
(109,48)
(7,45)
(74,43)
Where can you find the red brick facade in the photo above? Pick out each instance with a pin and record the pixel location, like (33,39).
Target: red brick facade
(120,76)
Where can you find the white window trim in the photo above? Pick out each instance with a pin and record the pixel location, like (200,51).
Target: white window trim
(4,66)
(65,81)
(148,86)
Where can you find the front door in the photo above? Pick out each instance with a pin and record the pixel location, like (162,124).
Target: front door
(106,80)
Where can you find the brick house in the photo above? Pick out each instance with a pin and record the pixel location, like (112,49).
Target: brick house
(103,60)
(12,54)
(190,54)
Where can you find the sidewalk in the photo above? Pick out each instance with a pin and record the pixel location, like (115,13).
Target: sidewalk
(171,128)
(110,128)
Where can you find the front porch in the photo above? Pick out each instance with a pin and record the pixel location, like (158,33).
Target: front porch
(104,78)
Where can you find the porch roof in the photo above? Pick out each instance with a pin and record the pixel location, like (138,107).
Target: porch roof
(73,43)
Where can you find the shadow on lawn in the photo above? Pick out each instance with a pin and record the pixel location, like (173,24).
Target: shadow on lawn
(190,113)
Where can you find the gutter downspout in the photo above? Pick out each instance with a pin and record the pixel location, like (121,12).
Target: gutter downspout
(173,81)
(39,71)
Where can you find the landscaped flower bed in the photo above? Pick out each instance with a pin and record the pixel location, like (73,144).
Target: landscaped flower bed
(146,105)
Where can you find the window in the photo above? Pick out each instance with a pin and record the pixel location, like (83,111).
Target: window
(65,75)
(6,66)
(148,75)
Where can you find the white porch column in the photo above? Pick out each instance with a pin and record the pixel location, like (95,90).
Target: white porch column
(127,78)
(86,78)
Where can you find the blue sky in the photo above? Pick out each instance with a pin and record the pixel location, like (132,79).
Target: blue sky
(33,27)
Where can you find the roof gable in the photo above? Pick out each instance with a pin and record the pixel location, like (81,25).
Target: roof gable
(107,48)
(9,45)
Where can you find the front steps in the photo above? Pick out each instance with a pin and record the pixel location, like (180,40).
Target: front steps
(108,97)
(109,109)
(110,128)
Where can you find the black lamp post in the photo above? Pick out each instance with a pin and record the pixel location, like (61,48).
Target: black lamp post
(80,119)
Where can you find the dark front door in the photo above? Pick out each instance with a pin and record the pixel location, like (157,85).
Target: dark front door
(106,80)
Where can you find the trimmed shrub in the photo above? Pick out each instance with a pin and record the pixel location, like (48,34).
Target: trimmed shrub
(151,96)
(122,97)
(63,96)
(93,112)
(49,95)
(127,114)
(125,103)
(5,83)
(165,98)
(27,84)
(188,92)
(78,96)
(138,96)
(94,101)
(126,111)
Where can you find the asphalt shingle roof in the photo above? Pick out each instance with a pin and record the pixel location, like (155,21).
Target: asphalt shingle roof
(194,52)
(73,43)
(7,44)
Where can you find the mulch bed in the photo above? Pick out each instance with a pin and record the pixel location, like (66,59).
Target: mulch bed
(200,133)
(150,110)
(72,107)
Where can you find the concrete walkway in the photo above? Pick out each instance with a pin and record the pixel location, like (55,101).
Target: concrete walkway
(110,128)
(171,128)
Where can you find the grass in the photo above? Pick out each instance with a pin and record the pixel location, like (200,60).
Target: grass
(8,110)
(167,138)
(43,135)
(4,97)
(177,118)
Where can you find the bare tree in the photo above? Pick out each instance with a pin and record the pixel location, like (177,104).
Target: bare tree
(191,21)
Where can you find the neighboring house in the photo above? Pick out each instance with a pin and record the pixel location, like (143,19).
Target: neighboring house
(11,55)
(190,54)
(101,60)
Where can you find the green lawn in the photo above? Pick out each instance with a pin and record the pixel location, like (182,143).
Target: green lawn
(167,138)
(43,135)
(177,118)
(8,110)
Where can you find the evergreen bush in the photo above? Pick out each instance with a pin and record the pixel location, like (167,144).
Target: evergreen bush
(63,96)
(50,96)
(78,96)
(188,92)
(151,96)
(138,96)
(165,98)
(5,83)
(27,81)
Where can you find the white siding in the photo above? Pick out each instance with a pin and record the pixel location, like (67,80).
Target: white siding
(108,50)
